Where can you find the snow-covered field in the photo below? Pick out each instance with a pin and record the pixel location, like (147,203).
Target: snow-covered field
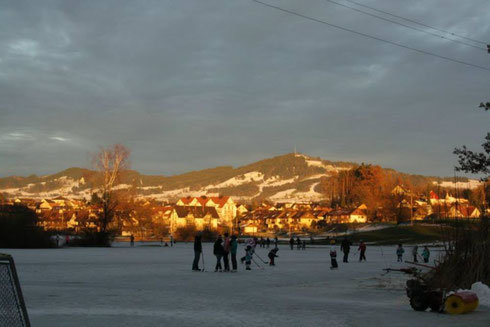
(154,286)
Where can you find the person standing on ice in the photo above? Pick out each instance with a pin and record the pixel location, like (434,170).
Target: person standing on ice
(362,251)
(298,243)
(426,254)
(333,259)
(226,252)
(303,245)
(233,250)
(248,257)
(276,242)
(197,252)
(399,252)
(171,241)
(218,252)
(272,255)
(268,242)
(415,253)
(131,240)
(291,243)
(345,247)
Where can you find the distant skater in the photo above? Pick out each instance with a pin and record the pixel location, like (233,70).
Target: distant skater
(291,243)
(345,247)
(426,254)
(233,251)
(197,252)
(303,245)
(131,240)
(218,252)
(399,253)
(268,242)
(415,253)
(298,243)
(333,259)
(362,251)
(171,241)
(226,252)
(276,242)
(272,255)
(248,257)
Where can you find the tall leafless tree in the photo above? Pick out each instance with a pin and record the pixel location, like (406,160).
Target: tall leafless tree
(110,162)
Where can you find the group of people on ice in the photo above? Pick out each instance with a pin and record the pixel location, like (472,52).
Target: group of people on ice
(425,253)
(300,245)
(345,248)
(227,246)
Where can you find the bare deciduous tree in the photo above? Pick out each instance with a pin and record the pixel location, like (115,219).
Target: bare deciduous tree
(111,163)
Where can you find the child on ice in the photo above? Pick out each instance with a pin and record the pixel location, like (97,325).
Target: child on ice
(272,254)
(248,257)
(399,252)
(426,254)
(333,259)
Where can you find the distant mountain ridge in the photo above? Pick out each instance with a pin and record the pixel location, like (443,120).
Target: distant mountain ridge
(289,177)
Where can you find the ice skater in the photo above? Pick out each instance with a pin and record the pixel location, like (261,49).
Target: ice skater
(131,240)
(298,243)
(233,250)
(248,257)
(272,255)
(345,247)
(426,254)
(399,252)
(197,252)
(268,242)
(415,253)
(333,259)
(226,252)
(362,249)
(291,243)
(218,252)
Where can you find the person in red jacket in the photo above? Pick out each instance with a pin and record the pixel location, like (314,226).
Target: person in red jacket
(362,251)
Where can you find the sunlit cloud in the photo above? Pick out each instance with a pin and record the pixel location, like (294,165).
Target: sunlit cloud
(59,138)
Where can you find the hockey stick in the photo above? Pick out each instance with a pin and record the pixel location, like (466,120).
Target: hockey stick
(258,256)
(260,267)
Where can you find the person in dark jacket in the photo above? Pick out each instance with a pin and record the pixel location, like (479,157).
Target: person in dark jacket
(233,250)
(333,259)
(272,255)
(362,251)
(268,242)
(345,247)
(197,252)
(291,243)
(226,252)
(218,251)
(298,243)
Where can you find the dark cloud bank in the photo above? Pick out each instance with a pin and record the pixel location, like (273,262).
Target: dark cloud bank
(195,84)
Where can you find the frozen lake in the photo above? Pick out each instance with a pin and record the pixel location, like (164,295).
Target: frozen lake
(154,286)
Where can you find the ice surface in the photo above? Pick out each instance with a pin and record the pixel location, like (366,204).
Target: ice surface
(154,286)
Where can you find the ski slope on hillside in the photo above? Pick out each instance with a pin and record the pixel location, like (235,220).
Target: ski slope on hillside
(154,286)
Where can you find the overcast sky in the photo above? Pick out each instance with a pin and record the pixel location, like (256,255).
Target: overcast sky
(192,84)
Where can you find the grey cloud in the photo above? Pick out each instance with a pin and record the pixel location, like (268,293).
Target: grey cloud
(193,84)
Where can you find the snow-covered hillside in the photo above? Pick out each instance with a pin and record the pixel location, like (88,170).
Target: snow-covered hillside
(291,177)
